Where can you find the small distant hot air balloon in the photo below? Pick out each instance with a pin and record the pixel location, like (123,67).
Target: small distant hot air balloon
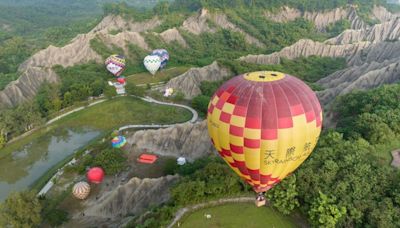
(264,125)
(115,64)
(118,142)
(152,63)
(121,80)
(164,56)
(81,190)
(95,175)
(168,92)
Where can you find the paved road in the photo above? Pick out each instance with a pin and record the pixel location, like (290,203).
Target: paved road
(151,100)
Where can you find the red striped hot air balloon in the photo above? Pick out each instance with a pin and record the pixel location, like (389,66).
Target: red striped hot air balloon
(264,125)
(81,190)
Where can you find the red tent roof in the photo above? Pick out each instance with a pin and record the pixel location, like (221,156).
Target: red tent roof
(147,158)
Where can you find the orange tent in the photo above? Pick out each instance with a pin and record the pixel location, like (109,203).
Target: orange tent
(147,158)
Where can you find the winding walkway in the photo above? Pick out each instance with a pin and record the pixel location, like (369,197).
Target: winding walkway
(151,100)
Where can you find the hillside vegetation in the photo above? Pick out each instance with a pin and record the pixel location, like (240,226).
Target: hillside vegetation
(28,26)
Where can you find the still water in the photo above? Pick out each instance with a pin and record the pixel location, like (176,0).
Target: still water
(27,164)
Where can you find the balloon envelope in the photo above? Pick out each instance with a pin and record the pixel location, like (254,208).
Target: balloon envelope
(95,175)
(164,56)
(81,190)
(152,63)
(121,79)
(115,64)
(118,142)
(168,92)
(264,125)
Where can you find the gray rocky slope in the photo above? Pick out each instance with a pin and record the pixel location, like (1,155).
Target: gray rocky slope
(115,205)
(188,140)
(38,68)
(372,56)
(189,82)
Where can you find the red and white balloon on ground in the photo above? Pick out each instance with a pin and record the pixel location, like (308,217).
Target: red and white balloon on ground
(95,175)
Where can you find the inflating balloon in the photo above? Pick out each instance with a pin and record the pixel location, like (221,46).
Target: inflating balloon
(164,56)
(115,64)
(264,125)
(118,142)
(81,190)
(152,63)
(121,79)
(95,175)
(168,92)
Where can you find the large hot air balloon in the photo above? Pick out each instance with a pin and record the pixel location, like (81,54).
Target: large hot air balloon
(264,125)
(95,175)
(152,63)
(81,190)
(118,142)
(115,64)
(164,56)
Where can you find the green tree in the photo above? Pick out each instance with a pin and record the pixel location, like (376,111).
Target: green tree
(385,214)
(284,195)
(48,99)
(67,100)
(57,217)
(336,28)
(21,209)
(179,96)
(190,192)
(372,128)
(97,87)
(2,141)
(111,160)
(324,211)
(109,92)
(200,103)
(208,88)
(132,89)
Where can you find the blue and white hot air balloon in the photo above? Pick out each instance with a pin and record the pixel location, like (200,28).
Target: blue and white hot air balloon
(164,56)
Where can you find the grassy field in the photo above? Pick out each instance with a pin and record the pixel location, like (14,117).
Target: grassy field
(237,215)
(108,115)
(160,76)
(125,110)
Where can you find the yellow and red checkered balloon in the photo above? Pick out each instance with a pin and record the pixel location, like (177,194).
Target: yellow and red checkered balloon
(264,125)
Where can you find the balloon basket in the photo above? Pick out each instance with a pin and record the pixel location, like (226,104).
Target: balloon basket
(260,203)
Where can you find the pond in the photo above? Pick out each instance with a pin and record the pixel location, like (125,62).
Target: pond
(28,163)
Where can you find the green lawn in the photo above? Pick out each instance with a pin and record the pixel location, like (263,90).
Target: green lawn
(163,75)
(237,215)
(125,110)
(111,114)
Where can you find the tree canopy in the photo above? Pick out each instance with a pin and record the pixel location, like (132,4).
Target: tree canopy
(21,209)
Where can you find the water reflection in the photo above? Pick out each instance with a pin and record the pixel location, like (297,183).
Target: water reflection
(21,168)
